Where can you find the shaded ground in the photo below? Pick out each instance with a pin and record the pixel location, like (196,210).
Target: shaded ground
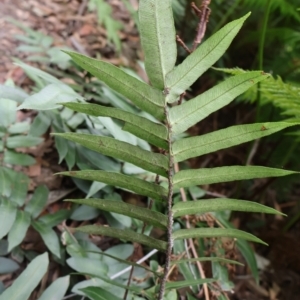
(71,24)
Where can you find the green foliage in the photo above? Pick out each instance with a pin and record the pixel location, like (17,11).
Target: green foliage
(168,83)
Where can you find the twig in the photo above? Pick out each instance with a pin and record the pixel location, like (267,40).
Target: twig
(203,13)
(191,243)
(154,251)
(182,44)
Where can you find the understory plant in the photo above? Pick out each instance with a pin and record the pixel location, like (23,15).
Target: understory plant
(166,117)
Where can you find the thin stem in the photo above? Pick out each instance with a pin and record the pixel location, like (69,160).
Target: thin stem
(169,209)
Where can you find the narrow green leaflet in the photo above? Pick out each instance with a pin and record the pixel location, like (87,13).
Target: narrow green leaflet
(125,234)
(19,187)
(19,229)
(141,94)
(215,232)
(7,265)
(19,159)
(183,76)
(150,217)
(143,128)
(97,293)
(219,204)
(87,265)
(195,146)
(49,237)
(203,176)
(154,162)
(38,201)
(193,111)
(57,289)
(158,37)
(128,182)
(8,214)
(7,112)
(25,283)
(186,283)
(21,141)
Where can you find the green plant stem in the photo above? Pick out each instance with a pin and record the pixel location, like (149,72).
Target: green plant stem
(169,211)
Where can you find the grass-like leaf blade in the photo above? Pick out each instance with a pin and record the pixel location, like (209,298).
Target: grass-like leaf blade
(195,146)
(153,162)
(215,232)
(203,176)
(157,31)
(154,133)
(125,234)
(141,94)
(193,111)
(186,283)
(97,293)
(183,76)
(219,204)
(128,182)
(150,217)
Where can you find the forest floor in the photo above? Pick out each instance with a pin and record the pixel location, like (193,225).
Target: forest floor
(70,24)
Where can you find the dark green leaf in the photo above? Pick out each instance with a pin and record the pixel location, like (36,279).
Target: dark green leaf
(193,111)
(183,76)
(157,31)
(38,201)
(195,146)
(186,283)
(97,293)
(19,229)
(141,94)
(203,176)
(20,159)
(136,185)
(8,214)
(215,232)
(49,237)
(150,217)
(143,128)
(147,160)
(125,234)
(219,204)
(57,289)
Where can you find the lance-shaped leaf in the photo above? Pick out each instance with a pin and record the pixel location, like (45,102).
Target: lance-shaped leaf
(141,94)
(193,111)
(150,217)
(125,234)
(8,213)
(186,283)
(219,204)
(195,146)
(157,30)
(128,182)
(154,162)
(143,128)
(203,176)
(183,76)
(215,232)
